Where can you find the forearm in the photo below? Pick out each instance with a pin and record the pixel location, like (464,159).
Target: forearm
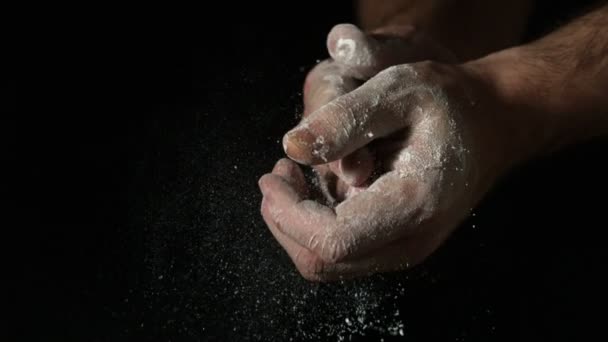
(470,28)
(558,85)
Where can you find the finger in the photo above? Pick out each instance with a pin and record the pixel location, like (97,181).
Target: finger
(390,209)
(334,189)
(293,175)
(366,54)
(399,255)
(327,182)
(404,201)
(325,82)
(308,264)
(353,120)
(332,238)
(311,266)
(305,221)
(356,168)
(353,48)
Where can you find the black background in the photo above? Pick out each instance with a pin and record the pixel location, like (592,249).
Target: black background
(137,203)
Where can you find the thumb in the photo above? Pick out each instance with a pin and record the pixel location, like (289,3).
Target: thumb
(366,54)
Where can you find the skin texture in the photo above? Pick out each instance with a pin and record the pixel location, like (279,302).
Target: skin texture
(357,56)
(429,139)
(423,118)
(404,31)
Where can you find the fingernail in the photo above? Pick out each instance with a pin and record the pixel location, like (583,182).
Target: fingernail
(282,168)
(297,144)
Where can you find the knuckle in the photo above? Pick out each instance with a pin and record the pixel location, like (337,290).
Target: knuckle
(334,248)
(310,266)
(421,72)
(427,67)
(392,72)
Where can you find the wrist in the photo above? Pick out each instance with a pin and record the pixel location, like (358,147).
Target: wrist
(546,105)
(514,122)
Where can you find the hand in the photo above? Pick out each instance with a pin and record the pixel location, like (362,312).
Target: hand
(439,134)
(357,56)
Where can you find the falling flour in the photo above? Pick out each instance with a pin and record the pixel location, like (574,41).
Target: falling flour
(215,272)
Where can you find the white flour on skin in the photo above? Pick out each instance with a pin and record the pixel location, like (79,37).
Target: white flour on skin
(429,172)
(432,167)
(224,275)
(336,84)
(346,48)
(351,53)
(320,149)
(438,160)
(364,319)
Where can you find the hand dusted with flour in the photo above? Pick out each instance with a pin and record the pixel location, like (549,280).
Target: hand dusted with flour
(405,124)
(421,121)
(356,57)
(440,135)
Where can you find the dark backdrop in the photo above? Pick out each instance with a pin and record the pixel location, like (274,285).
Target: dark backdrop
(138,209)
